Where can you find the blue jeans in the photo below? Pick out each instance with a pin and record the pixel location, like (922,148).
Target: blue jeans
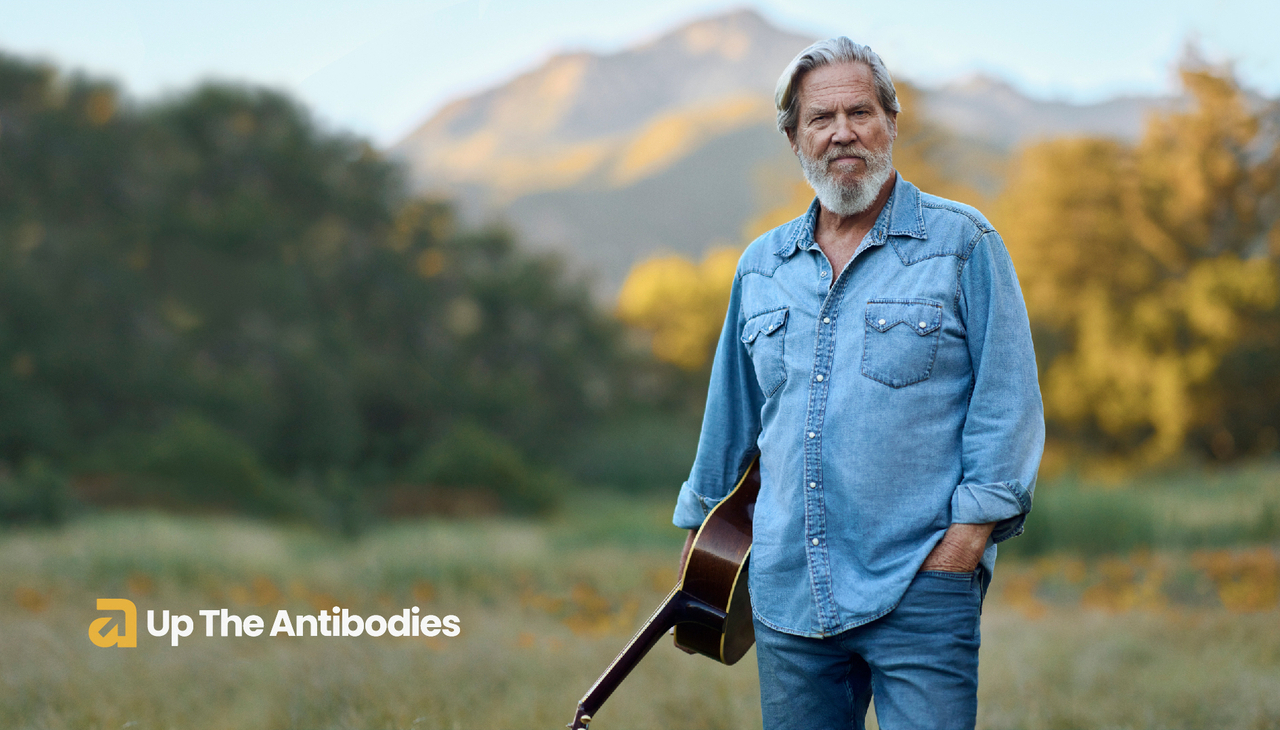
(920,661)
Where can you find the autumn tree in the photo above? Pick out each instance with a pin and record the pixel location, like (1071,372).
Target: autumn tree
(680,303)
(1147,269)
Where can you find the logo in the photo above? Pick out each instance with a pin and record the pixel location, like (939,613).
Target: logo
(122,631)
(114,638)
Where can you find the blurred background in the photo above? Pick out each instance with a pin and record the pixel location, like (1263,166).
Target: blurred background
(413,304)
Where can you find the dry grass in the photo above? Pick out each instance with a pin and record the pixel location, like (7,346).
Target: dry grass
(1163,640)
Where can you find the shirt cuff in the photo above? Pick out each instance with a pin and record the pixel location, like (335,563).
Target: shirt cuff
(1004,503)
(692,508)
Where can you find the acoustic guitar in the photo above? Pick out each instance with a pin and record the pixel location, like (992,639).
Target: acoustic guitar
(709,607)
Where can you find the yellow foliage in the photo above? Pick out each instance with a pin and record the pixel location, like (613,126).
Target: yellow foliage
(1247,581)
(680,303)
(1144,267)
(1125,585)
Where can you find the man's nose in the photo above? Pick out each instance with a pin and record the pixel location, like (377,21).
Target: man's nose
(842,131)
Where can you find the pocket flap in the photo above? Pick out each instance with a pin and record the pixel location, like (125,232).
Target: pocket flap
(920,316)
(765,324)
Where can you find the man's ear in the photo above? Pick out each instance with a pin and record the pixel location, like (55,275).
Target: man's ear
(791,138)
(893,126)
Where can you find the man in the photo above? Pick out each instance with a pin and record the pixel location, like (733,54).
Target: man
(877,356)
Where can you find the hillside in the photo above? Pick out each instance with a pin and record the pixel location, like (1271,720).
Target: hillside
(670,145)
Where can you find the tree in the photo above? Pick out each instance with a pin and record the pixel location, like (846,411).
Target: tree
(1146,269)
(682,305)
(216,278)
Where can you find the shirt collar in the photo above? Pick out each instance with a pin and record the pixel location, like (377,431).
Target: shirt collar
(901,216)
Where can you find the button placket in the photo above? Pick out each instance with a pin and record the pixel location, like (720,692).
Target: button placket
(815,509)
(814,503)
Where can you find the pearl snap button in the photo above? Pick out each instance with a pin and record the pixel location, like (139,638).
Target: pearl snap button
(826,320)
(812,434)
(923,325)
(814,541)
(813,485)
(819,378)
(882,321)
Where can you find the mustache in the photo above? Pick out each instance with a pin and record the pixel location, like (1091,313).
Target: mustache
(871,158)
(846,151)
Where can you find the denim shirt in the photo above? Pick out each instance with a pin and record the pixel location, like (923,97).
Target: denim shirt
(885,406)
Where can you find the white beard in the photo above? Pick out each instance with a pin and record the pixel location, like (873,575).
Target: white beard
(857,196)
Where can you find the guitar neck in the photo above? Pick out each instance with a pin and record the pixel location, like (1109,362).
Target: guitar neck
(677,607)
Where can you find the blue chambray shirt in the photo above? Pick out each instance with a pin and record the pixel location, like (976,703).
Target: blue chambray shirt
(885,407)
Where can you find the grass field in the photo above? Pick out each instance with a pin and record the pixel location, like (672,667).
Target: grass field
(1144,635)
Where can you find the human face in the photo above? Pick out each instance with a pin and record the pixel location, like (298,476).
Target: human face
(843,137)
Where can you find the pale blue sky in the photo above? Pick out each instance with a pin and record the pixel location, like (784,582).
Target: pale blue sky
(379,67)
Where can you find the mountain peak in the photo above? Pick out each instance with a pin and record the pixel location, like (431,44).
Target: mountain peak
(578,108)
(730,35)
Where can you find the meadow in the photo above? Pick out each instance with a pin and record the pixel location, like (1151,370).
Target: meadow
(1153,604)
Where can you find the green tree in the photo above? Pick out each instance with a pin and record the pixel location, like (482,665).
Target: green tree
(218,259)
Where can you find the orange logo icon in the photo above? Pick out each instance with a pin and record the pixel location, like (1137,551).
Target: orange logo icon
(129,639)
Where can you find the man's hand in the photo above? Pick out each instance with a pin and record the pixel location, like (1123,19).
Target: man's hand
(960,550)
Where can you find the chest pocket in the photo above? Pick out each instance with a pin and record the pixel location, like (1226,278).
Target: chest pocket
(763,337)
(901,340)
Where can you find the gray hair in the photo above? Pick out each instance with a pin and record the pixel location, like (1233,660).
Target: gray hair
(833,50)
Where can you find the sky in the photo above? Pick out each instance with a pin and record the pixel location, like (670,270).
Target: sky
(379,68)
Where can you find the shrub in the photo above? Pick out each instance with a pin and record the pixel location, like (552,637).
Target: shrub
(194,463)
(37,493)
(471,458)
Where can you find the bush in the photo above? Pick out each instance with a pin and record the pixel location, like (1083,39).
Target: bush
(194,463)
(471,458)
(36,494)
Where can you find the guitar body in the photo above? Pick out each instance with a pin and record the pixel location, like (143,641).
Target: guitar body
(717,571)
(710,608)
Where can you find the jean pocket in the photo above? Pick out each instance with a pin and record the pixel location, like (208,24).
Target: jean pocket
(763,336)
(945,581)
(901,340)
(965,576)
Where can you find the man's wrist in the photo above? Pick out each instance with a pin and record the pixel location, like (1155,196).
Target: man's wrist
(960,549)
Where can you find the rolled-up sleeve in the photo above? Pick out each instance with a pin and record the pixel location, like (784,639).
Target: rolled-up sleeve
(1003,436)
(730,424)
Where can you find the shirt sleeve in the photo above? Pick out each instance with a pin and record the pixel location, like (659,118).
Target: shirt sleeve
(1003,435)
(730,424)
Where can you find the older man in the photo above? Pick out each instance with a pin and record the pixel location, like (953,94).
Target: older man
(877,356)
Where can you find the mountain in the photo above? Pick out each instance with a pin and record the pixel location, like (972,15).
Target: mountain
(612,158)
(627,115)
(991,110)
(670,146)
